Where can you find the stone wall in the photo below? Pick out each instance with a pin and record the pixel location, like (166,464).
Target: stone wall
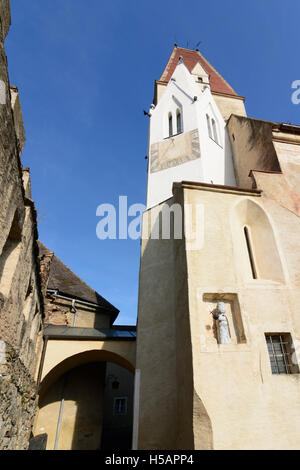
(253,138)
(5,17)
(17,403)
(225,396)
(21,302)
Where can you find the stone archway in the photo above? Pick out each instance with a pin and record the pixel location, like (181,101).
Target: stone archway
(77,398)
(76,360)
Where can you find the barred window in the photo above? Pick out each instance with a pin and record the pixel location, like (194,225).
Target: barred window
(120,406)
(280,348)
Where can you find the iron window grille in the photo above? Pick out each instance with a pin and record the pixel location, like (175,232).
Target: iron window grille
(120,406)
(280,348)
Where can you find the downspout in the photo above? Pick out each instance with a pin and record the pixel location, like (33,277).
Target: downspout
(54,293)
(42,362)
(73,310)
(136,409)
(152,107)
(61,409)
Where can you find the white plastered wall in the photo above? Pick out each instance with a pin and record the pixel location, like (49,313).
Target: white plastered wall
(215,163)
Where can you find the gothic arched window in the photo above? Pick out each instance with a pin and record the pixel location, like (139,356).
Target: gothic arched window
(209,126)
(250,252)
(255,248)
(170,125)
(215,133)
(179,123)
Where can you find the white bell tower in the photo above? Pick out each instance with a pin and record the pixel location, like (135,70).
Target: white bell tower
(187,137)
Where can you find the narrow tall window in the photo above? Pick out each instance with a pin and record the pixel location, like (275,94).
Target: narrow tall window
(208,126)
(215,133)
(178,118)
(120,406)
(250,253)
(280,348)
(170,125)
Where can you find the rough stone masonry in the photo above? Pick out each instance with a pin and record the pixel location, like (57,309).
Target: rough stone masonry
(21,300)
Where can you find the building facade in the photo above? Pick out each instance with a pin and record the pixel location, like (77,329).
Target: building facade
(216,360)
(86,371)
(218,323)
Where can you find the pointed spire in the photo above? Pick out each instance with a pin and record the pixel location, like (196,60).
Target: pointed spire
(191,58)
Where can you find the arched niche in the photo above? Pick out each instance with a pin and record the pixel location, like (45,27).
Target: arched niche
(10,255)
(255,246)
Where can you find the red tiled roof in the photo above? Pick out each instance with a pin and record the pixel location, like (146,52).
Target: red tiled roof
(61,278)
(190,59)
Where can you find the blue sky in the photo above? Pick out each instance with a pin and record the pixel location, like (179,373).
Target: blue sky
(85,71)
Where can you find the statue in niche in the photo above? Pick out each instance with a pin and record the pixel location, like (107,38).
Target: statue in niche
(219,315)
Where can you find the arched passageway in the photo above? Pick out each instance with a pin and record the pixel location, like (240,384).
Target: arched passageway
(86,403)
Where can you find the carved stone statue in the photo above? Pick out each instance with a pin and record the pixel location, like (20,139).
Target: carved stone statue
(222,323)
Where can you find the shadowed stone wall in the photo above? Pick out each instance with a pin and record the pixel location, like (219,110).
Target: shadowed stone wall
(21,303)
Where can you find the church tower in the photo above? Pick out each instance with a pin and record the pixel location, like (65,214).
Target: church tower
(217,363)
(188,139)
